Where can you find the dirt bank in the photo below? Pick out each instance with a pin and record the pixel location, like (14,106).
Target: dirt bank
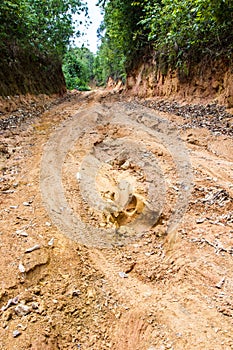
(207,81)
(26,71)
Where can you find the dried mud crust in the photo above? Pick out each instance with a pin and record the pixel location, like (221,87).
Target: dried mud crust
(157,292)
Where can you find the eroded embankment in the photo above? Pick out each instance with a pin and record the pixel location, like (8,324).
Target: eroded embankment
(206,81)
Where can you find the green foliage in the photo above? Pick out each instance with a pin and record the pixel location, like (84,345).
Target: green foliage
(185,29)
(78,68)
(109,61)
(123,40)
(179,31)
(42,25)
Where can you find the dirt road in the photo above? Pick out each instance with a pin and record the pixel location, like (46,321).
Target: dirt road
(116,228)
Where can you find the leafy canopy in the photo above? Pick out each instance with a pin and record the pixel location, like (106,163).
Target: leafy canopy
(44,25)
(176,32)
(78,68)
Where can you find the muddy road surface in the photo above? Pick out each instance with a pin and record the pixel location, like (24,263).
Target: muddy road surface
(116,226)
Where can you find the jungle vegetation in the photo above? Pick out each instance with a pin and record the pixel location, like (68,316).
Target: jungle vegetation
(176,33)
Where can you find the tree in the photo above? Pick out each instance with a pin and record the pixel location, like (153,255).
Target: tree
(46,26)
(176,32)
(78,68)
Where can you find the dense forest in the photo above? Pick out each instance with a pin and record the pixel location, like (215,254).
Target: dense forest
(178,33)
(35,38)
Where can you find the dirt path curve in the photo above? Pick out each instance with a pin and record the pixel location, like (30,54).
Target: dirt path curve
(116,230)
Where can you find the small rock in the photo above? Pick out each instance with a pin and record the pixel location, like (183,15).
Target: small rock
(13,206)
(76,293)
(123,275)
(21,268)
(220,283)
(35,306)
(37,290)
(16,333)
(13,301)
(118,315)
(126,165)
(200,220)
(8,191)
(51,242)
(22,233)
(26,204)
(147,254)
(47,224)
(22,310)
(35,247)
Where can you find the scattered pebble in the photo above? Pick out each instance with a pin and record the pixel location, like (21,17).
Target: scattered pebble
(22,310)
(21,268)
(211,116)
(78,176)
(13,301)
(14,206)
(200,220)
(76,293)
(8,191)
(123,275)
(22,233)
(126,165)
(35,247)
(220,283)
(16,333)
(147,254)
(26,204)
(35,306)
(47,224)
(51,242)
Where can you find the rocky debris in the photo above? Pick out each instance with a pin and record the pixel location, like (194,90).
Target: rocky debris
(123,275)
(220,197)
(211,116)
(220,283)
(20,115)
(216,244)
(222,220)
(13,301)
(51,242)
(213,195)
(22,268)
(4,150)
(35,247)
(22,310)
(16,333)
(23,111)
(225,305)
(26,204)
(22,233)
(35,258)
